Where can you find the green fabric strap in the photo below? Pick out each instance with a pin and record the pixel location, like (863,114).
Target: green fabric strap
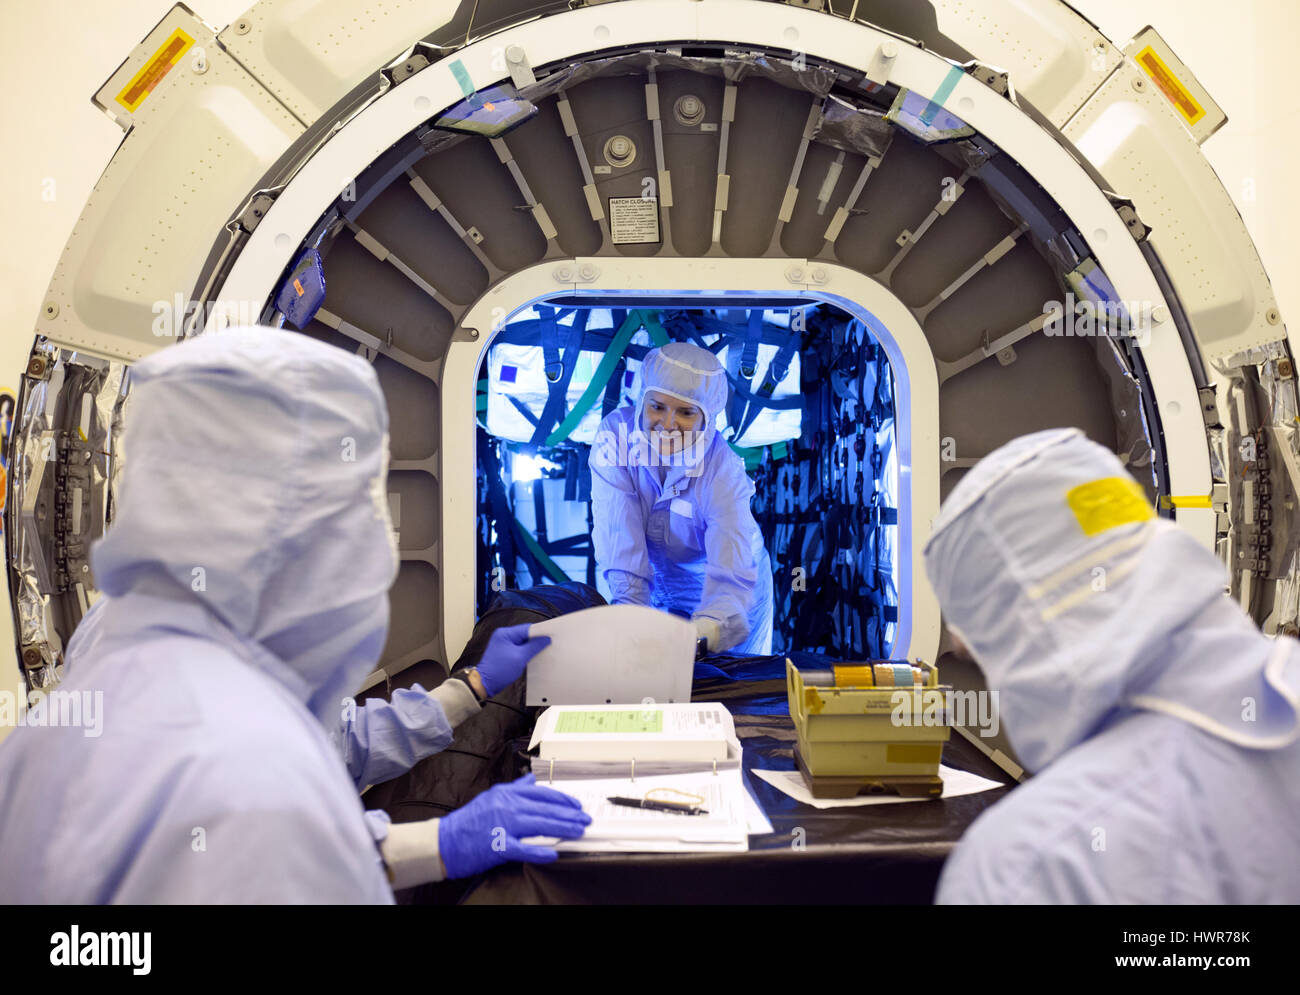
(752,457)
(596,388)
(657,334)
(548,564)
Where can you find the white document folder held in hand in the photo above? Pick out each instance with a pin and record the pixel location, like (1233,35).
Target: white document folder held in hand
(616,654)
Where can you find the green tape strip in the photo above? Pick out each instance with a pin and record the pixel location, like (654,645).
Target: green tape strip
(459,71)
(657,334)
(752,457)
(940,95)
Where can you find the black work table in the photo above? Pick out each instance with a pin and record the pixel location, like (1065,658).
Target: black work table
(871,854)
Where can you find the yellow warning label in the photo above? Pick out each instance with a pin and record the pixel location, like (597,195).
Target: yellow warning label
(1186,501)
(143,83)
(1164,77)
(1107,503)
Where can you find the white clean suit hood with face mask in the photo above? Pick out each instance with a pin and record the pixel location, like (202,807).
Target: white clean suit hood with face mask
(293,548)
(691,375)
(244,584)
(1162,724)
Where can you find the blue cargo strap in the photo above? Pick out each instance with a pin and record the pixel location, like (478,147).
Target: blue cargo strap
(684,327)
(614,388)
(777,370)
(753,335)
(615,374)
(522,408)
(554,409)
(738,411)
(553,366)
(529,333)
(498,504)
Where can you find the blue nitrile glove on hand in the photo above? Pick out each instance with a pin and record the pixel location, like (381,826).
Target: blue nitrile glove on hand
(486,832)
(506,657)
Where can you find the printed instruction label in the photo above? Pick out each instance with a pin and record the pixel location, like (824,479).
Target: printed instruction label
(637,720)
(163,61)
(1170,85)
(633,220)
(696,721)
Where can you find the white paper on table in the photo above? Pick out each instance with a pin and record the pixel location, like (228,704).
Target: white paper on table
(620,654)
(955,782)
(731,817)
(644,846)
(756,821)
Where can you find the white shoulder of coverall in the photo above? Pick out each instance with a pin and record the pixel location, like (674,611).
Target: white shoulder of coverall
(1096,622)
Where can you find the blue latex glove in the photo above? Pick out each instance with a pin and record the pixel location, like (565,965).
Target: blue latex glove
(486,832)
(506,657)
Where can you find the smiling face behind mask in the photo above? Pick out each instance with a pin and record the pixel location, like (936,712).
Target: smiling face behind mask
(683,389)
(671,423)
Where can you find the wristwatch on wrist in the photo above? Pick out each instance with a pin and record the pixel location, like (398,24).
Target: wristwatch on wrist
(464,676)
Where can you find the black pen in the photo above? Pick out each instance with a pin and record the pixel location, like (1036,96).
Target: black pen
(677,807)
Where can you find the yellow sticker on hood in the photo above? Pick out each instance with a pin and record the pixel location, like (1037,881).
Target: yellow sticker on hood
(1104,504)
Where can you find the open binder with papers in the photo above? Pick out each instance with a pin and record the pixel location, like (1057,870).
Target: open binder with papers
(677,753)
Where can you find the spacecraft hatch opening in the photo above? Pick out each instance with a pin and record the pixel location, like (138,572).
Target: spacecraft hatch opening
(810,411)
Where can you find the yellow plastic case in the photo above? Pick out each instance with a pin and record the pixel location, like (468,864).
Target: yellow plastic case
(880,739)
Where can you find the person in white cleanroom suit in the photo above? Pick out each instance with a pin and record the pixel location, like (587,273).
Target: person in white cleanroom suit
(1162,726)
(670,502)
(244,586)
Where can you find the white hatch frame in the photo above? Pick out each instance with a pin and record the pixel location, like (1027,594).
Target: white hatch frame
(573,35)
(916,400)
